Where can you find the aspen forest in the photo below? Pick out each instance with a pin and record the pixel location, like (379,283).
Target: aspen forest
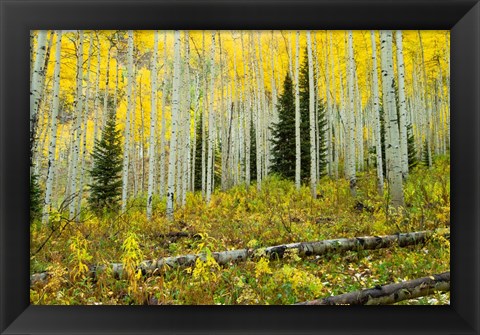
(238,167)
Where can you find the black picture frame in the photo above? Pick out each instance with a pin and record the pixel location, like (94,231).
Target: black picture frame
(17,17)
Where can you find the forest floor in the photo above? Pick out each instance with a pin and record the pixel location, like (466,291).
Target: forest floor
(246,218)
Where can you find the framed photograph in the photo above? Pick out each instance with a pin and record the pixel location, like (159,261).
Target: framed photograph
(196,166)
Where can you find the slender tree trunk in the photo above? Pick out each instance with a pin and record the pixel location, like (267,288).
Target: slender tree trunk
(350,140)
(394,167)
(427,105)
(376,113)
(187,122)
(38,74)
(211,124)
(204,120)
(298,153)
(332,127)
(402,104)
(85,121)
(313,164)
(126,151)
(175,112)
(153,126)
(163,116)
(53,130)
(77,131)
(107,82)
(97,98)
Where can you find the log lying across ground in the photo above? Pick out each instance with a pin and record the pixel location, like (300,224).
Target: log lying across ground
(303,249)
(389,294)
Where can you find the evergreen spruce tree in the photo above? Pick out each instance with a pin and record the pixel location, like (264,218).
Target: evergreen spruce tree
(283,134)
(36,197)
(305,124)
(412,152)
(106,186)
(322,128)
(425,160)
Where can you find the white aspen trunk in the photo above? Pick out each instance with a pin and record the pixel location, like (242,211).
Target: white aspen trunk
(173,137)
(85,121)
(298,153)
(319,133)
(97,85)
(274,86)
(246,115)
(224,116)
(236,152)
(163,116)
(256,112)
(265,120)
(187,122)
(153,126)
(194,145)
(334,137)
(204,120)
(447,78)
(343,124)
(126,150)
(77,130)
(376,115)
(402,104)
(105,96)
(211,124)
(350,134)
(359,125)
(36,90)
(313,150)
(329,143)
(391,127)
(42,117)
(426,102)
(53,130)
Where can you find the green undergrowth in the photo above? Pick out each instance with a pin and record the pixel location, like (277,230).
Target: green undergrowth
(247,218)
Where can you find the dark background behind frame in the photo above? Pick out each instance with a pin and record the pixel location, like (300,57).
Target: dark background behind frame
(18,17)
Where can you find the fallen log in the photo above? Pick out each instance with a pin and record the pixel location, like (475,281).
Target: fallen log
(389,294)
(303,249)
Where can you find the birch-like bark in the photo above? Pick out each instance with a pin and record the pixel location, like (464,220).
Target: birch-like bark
(126,150)
(313,150)
(389,294)
(276,252)
(391,127)
(38,74)
(187,122)
(211,124)
(97,98)
(153,126)
(426,103)
(163,116)
(85,121)
(107,84)
(298,153)
(402,104)
(204,120)
(376,115)
(350,133)
(333,128)
(359,124)
(173,136)
(53,130)
(77,130)
(247,112)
